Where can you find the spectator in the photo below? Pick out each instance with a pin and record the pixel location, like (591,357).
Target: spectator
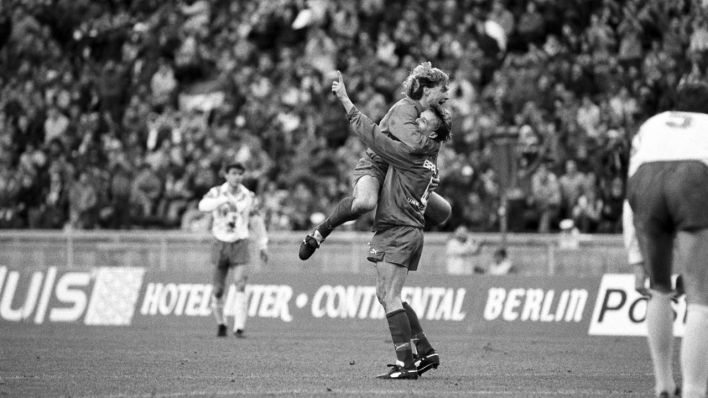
(546,197)
(460,251)
(501,263)
(82,202)
(55,125)
(531,27)
(587,211)
(145,193)
(163,84)
(572,184)
(612,202)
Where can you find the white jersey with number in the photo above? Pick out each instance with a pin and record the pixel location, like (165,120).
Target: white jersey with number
(231,215)
(668,136)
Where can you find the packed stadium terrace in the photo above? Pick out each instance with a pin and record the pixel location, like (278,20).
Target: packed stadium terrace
(117,114)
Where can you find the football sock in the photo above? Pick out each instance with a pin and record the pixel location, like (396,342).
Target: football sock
(401,334)
(421,342)
(217,308)
(341,214)
(660,335)
(240,310)
(694,352)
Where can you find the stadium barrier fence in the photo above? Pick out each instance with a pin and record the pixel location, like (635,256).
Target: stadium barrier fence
(344,251)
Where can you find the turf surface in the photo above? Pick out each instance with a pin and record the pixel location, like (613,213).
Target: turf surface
(80,361)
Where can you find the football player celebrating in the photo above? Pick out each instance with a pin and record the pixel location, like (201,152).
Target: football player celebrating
(425,87)
(397,244)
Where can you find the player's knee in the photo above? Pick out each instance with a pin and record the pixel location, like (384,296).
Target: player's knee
(381,296)
(218,292)
(364,203)
(662,287)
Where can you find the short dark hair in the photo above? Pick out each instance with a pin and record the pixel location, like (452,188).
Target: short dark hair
(444,130)
(692,97)
(233,165)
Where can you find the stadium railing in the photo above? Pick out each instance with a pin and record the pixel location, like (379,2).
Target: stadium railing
(344,252)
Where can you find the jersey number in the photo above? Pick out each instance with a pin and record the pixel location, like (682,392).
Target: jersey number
(679,120)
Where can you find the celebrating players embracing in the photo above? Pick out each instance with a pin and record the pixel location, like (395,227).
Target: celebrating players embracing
(397,244)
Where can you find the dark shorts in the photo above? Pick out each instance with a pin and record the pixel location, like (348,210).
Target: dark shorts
(230,254)
(397,245)
(666,197)
(372,165)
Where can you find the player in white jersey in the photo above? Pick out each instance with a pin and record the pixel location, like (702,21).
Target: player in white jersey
(667,210)
(236,223)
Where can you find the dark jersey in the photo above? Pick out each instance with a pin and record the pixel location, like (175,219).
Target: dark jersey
(405,191)
(399,122)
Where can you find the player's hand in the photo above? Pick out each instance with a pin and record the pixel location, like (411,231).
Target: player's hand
(640,279)
(338,87)
(434,183)
(264,256)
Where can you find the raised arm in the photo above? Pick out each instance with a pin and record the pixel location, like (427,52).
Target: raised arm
(394,152)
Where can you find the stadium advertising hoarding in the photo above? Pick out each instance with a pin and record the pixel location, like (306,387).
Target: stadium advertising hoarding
(134,296)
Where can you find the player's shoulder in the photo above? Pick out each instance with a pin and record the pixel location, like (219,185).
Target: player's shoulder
(408,104)
(405,106)
(215,191)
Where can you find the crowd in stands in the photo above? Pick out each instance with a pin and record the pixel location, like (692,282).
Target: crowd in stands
(97,129)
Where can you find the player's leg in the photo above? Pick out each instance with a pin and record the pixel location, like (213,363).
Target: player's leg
(657,248)
(221,270)
(693,247)
(654,223)
(389,283)
(427,357)
(363,200)
(438,209)
(240,276)
(240,257)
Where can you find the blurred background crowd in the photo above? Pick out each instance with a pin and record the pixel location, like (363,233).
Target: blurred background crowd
(117,114)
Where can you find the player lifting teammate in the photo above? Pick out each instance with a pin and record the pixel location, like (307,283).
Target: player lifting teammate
(425,87)
(397,244)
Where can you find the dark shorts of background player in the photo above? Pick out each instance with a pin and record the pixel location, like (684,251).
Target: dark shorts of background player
(401,245)
(372,165)
(666,197)
(225,255)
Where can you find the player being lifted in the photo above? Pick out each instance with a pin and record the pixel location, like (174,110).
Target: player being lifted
(236,223)
(425,87)
(397,244)
(666,211)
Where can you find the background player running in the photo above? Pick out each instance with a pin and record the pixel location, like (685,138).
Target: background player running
(397,244)
(236,223)
(666,210)
(425,87)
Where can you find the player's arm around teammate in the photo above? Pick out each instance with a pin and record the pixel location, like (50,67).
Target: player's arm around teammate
(397,244)
(425,87)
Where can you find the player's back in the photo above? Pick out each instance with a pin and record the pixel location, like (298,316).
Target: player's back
(670,136)
(400,121)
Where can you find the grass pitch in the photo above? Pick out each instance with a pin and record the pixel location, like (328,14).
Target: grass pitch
(275,361)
